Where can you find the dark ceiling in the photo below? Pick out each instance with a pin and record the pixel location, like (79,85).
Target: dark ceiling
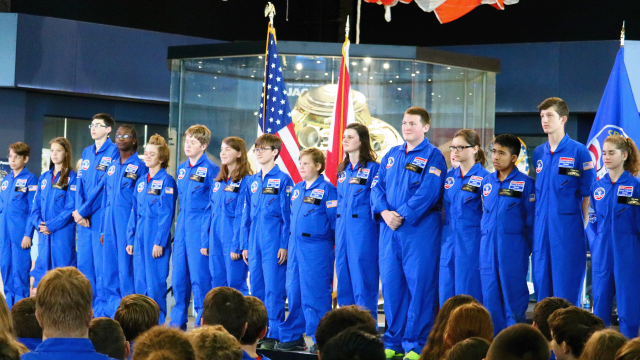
(323,20)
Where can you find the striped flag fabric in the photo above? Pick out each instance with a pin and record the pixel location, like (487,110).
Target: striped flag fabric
(275,114)
(342,116)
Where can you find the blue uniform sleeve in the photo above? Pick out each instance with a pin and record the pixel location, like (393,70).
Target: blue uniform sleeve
(205,230)
(285,208)
(133,217)
(32,184)
(238,242)
(588,172)
(592,202)
(429,192)
(35,216)
(245,226)
(530,207)
(85,209)
(165,213)
(379,192)
(332,206)
(64,217)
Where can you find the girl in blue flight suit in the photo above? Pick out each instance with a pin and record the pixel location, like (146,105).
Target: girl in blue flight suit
(356,231)
(463,209)
(16,196)
(221,240)
(51,213)
(311,252)
(615,250)
(149,229)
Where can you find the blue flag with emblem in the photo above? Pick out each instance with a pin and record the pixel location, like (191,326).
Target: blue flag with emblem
(617,113)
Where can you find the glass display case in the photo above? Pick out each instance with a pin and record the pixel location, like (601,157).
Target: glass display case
(220,86)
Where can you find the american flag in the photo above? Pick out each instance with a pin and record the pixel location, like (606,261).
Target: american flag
(275,114)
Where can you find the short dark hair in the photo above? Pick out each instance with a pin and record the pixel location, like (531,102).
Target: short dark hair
(558,104)
(354,344)
(519,342)
(107,337)
(271,141)
(424,114)
(544,309)
(510,142)
(338,320)
(136,314)
(20,148)
(574,326)
(473,348)
(23,314)
(257,320)
(108,119)
(227,307)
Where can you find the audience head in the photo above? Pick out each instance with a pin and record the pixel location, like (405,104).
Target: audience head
(8,348)
(519,342)
(257,321)
(25,323)
(227,307)
(435,347)
(136,314)
(543,309)
(163,342)
(570,330)
(64,303)
(474,348)
(629,351)
(338,320)
(356,343)
(215,343)
(6,324)
(469,320)
(107,337)
(603,345)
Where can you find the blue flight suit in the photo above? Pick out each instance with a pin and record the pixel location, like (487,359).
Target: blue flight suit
(507,234)
(90,185)
(31,343)
(310,258)
(446,280)
(266,229)
(563,179)
(16,198)
(190,268)
(65,349)
(53,205)
(150,220)
(117,201)
(615,250)
(412,184)
(357,236)
(463,201)
(225,207)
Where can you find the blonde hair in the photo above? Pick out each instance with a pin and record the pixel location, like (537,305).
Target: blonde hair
(625,144)
(163,149)
(215,343)
(603,345)
(316,156)
(200,132)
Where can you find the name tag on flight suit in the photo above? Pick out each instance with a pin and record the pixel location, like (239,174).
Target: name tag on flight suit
(59,187)
(510,193)
(156,186)
(315,197)
(104,162)
(130,172)
(272,188)
(417,165)
(200,174)
(233,187)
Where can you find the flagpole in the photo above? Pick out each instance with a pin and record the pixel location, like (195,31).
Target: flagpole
(622,35)
(270,11)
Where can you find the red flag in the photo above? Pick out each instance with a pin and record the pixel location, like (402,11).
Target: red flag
(342,116)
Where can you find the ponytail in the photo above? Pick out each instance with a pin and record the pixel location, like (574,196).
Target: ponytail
(471,137)
(632,164)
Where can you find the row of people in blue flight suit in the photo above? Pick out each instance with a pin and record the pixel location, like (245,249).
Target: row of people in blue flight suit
(492,223)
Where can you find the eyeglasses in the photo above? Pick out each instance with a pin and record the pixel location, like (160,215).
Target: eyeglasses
(97,126)
(10,157)
(261,150)
(125,136)
(459,148)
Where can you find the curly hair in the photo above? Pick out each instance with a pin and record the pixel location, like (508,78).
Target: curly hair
(215,343)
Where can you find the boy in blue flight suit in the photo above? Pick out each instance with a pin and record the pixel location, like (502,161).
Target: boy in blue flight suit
(508,202)
(96,160)
(265,233)
(311,252)
(565,172)
(190,267)
(16,198)
(117,202)
(407,200)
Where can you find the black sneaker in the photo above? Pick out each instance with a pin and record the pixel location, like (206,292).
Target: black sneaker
(313,349)
(296,345)
(267,344)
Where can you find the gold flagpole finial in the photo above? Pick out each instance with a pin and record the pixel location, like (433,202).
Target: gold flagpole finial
(622,35)
(270,11)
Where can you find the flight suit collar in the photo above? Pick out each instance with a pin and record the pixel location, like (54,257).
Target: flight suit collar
(273,172)
(512,174)
(159,174)
(130,159)
(22,172)
(561,145)
(622,179)
(423,145)
(315,184)
(474,169)
(359,165)
(199,161)
(103,147)
(67,345)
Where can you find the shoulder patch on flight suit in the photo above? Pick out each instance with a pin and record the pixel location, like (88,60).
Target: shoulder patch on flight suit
(332,203)
(486,190)
(72,188)
(33,187)
(598,194)
(104,162)
(434,170)
(539,166)
(448,183)
(625,191)
(390,162)
(181,174)
(587,165)
(168,190)
(295,195)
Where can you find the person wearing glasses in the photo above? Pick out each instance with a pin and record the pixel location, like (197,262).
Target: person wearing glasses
(459,256)
(51,213)
(356,231)
(117,201)
(16,198)
(149,226)
(508,207)
(96,160)
(265,233)
(221,231)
